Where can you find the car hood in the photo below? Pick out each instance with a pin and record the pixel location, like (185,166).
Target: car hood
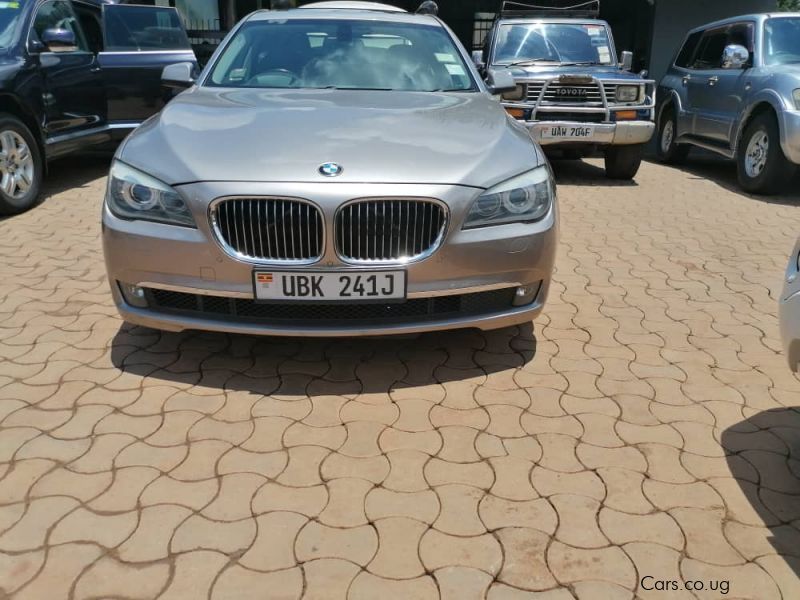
(542,72)
(209,134)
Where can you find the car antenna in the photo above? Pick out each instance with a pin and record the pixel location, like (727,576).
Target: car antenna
(282,4)
(429,7)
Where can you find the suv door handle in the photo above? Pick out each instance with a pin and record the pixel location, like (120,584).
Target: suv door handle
(686,79)
(713,80)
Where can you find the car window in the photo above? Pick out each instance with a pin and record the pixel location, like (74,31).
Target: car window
(10,13)
(557,42)
(741,34)
(92,29)
(58,14)
(782,41)
(129,27)
(342,53)
(686,54)
(712,45)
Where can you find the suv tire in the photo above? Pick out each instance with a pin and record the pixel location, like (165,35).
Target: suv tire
(667,150)
(762,166)
(623,162)
(21,166)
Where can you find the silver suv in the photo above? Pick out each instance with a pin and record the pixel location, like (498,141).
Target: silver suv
(572,93)
(734,89)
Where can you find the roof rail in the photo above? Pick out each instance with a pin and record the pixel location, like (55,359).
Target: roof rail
(552,8)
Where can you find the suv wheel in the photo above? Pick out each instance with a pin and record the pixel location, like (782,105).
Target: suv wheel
(20,166)
(668,150)
(623,162)
(763,169)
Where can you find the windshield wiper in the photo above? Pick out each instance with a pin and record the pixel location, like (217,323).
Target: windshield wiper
(531,61)
(336,87)
(581,63)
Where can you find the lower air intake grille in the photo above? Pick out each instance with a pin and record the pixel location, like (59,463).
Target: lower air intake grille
(248,311)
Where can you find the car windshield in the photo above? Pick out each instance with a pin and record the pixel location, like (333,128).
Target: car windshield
(782,41)
(564,43)
(342,54)
(9,17)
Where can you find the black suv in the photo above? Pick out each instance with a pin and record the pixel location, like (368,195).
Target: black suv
(76,74)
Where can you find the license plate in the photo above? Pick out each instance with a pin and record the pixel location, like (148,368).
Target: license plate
(306,286)
(568,132)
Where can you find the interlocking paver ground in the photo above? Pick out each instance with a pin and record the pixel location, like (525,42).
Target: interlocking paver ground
(645,427)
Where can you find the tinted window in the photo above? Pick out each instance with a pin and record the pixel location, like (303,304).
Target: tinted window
(741,34)
(687,52)
(552,42)
(143,28)
(58,14)
(782,41)
(342,54)
(709,55)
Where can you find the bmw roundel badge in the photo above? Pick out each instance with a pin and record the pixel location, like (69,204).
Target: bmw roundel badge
(331,169)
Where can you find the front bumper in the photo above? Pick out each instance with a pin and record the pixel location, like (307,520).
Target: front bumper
(789,310)
(190,261)
(790,135)
(623,133)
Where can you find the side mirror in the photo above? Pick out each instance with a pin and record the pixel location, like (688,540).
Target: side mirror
(59,40)
(735,57)
(477,58)
(500,81)
(626,60)
(179,76)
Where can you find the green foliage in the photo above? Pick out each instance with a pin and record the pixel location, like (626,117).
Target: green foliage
(789,5)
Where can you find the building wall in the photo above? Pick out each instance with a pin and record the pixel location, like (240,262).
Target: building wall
(674,18)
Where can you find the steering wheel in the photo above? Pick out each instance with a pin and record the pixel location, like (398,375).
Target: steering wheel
(286,72)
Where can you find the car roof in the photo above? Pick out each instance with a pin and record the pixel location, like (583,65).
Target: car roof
(353,5)
(749,17)
(334,13)
(559,20)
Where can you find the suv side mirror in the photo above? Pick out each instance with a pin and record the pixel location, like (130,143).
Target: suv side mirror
(59,40)
(178,76)
(735,57)
(477,58)
(500,81)
(626,60)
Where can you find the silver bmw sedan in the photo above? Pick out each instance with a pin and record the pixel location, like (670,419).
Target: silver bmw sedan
(332,172)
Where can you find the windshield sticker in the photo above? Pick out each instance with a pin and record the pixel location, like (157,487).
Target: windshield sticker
(456,70)
(11,5)
(594,30)
(604,52)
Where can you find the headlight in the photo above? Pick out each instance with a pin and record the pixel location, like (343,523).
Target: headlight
(517,94)
(796,95)
(627,93)
(136,195)
(523,199)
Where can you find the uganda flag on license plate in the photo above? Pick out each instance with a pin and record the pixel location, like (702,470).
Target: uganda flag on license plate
(264,278)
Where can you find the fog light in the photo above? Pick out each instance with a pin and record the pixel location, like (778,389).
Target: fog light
(133,294)
(526,294)
(626,115)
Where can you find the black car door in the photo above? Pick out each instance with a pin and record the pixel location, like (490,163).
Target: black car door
(139,41)
(73,93)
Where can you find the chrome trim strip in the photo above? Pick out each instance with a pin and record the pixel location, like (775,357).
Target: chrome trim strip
(187,52)
(463,291)
(395,262)
(196,291)
(233,253)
